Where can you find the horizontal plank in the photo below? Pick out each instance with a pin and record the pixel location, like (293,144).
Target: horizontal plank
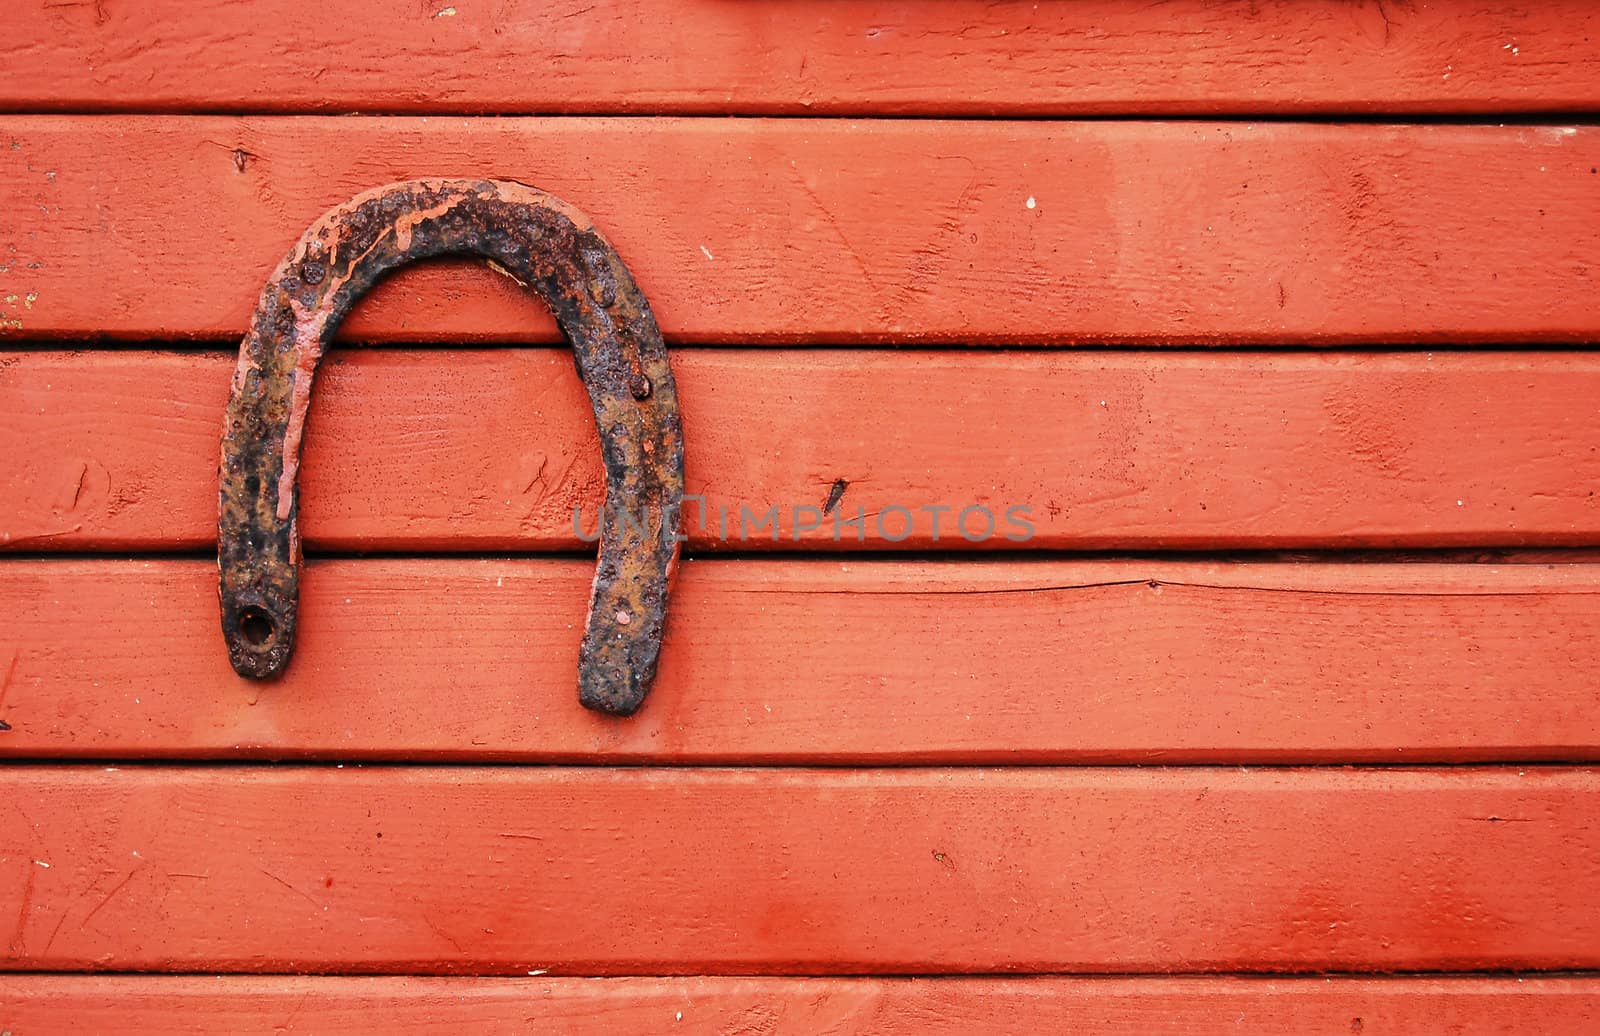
(582,871)
(495,449)
(967,57)
(1175,1006)
(786,230)
(820,662)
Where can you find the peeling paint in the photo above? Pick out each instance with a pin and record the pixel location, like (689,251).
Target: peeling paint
(555,251)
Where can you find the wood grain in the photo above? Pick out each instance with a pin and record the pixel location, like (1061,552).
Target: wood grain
(824,56)
(836,232)
(824,662)
(1177,1006)
(157,218)
(494,449)
(581,871)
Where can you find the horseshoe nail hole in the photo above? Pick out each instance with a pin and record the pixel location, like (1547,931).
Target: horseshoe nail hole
(256,627)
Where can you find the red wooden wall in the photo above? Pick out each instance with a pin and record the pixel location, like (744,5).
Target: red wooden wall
(1276,315)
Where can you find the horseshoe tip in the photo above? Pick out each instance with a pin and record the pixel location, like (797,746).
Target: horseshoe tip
(615,698)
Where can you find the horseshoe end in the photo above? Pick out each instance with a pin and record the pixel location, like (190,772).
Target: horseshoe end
(616,666)
(613,697)
(259,634)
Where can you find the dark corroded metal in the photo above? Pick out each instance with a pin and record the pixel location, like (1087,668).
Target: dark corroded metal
(554,250)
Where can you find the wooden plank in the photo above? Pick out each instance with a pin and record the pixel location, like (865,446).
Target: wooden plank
(786,230)
(821,662)
(491,449)
(583,871)
(835,56)
(1168,1006)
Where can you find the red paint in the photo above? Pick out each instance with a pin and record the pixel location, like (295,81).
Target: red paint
(904,231)
(140,215)
(785,662)
(870,57)
(450,450)
(202,1005)
(682,871)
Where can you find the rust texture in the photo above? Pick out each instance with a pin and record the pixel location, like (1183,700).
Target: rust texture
(556,252)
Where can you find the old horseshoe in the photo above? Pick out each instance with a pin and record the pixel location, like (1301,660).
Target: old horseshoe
(555,251)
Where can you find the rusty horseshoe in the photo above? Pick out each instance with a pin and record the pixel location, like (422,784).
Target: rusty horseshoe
(554,250)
